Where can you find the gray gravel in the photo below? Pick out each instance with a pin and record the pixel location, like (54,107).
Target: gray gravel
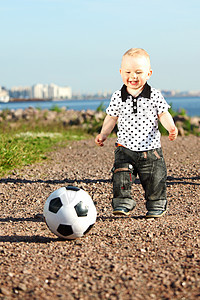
(121,257)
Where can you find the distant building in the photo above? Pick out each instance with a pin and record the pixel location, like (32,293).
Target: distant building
(58,92)
(20,92)
(64,92)
(41,91)
(4,95)
(51,91)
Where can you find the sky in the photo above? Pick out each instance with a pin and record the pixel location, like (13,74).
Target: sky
(80,43)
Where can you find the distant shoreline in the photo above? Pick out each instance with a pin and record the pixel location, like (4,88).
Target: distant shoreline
(82,99)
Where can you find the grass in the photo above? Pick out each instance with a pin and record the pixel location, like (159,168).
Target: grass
(25,147)
(27,143)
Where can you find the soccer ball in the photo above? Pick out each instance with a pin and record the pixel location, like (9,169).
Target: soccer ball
(69,212)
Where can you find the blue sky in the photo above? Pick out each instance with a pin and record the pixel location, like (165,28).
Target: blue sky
(80,43)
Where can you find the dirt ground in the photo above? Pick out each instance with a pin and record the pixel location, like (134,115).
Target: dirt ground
(121,257)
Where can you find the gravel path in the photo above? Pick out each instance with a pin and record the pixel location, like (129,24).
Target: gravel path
(121,257)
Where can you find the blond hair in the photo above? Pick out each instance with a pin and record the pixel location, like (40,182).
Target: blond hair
(137,52)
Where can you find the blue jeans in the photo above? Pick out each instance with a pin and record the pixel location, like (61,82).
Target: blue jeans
(151,169)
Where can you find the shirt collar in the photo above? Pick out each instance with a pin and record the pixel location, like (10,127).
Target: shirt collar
(146,92)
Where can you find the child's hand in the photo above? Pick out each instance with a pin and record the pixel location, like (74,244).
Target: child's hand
(100,139)
(173,133)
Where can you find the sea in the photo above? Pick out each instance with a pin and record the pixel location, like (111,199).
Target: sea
(191,105)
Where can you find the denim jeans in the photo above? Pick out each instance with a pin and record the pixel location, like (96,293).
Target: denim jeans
(151,169)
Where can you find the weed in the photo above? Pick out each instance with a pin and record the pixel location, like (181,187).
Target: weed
(55,108)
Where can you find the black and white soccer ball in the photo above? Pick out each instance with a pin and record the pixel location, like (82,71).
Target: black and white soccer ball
(69,212)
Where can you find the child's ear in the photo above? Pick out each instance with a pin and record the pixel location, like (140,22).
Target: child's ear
(120,71)
(150,73)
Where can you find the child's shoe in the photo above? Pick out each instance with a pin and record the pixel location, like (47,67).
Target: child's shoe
(155,213)
(121,211)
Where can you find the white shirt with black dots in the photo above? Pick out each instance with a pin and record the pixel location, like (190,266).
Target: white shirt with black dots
(138,118)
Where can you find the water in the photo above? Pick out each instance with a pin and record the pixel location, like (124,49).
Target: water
(190,105)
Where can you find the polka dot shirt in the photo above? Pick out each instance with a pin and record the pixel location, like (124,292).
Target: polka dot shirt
(138,117)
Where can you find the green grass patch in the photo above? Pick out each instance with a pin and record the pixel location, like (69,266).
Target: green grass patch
(21,148)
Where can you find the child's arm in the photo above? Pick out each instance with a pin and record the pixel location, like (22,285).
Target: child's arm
(108,125)
(167,121)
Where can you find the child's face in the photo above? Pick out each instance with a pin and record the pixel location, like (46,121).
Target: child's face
(135,71)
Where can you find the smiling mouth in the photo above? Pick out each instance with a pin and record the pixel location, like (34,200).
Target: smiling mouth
(133,82)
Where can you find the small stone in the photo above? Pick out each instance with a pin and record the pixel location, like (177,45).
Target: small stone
(5,291)
(143,250)
(22,287)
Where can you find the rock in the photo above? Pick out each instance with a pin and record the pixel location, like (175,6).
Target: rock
(181,131)
(5,291)
(195,121)
(18,113)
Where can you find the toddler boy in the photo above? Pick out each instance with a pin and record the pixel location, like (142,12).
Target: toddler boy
(137,107)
